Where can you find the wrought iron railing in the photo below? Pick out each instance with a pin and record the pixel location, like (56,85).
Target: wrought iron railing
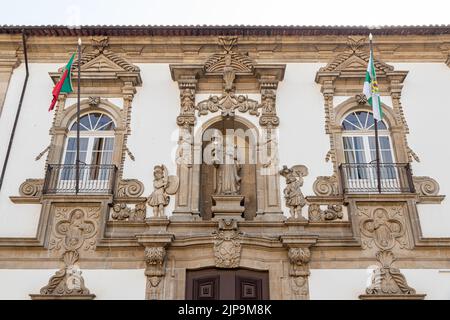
(363,178)
(62,179)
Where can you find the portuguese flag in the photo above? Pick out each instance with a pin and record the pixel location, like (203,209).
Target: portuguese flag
(371,90)
(64,84)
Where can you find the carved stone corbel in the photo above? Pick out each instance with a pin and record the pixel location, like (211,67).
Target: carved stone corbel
(155,255)
(31,188)
(426,186)
(326,186)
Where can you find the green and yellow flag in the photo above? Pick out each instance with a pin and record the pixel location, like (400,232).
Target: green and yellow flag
(371,90)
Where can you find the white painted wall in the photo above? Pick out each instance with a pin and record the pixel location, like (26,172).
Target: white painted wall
(154,131)
(32,136)
(302,138)
(114,284)
(427,113)
(348,284)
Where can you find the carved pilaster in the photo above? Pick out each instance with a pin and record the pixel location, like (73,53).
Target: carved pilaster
(155,255)
(299,256)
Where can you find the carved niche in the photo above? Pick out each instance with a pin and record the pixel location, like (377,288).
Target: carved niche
(74,228)
(227,244)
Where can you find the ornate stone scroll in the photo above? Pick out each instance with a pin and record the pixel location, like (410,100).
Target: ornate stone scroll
(326,186)
(129,188)
(227,244)
(31,188)
(426,186)
(293,195)
(388,282)
(67,282)
(165,185)
(332,212)
(228,103)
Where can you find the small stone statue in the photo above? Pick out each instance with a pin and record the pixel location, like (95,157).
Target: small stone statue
(295,200)
(164,185)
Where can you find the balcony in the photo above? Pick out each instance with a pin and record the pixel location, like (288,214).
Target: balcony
(362,178)
(93,179)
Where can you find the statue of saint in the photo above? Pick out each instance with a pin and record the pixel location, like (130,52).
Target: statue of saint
(228,181)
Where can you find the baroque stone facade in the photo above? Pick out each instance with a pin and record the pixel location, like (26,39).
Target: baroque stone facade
(169,221)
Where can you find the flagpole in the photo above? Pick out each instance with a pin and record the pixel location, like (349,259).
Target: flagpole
(77,163)
(377,146)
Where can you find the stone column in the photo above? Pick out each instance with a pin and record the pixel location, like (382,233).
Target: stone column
(8,62)
(185,206)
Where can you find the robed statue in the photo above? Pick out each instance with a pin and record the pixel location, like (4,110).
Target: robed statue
(228,180)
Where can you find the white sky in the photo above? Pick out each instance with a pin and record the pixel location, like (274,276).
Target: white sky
(224,12)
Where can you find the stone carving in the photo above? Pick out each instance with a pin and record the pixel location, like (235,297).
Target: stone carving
(155,258)
(299,272)
(326,186)
(387,279)
(333,212)
(228,180)
(235,61)
(383,227)
(269,116)
(74,228)
(120,211)
(426,186)
(68,280)
(228,103)
(31,188)
(130,188)
(165,186)
(227,244)
(187,101)
(295,200)
(93,101)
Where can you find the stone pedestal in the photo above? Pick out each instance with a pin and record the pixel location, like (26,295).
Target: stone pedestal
(228,207)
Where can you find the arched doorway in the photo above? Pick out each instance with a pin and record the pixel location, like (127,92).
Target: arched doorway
(228,134)
(227,284)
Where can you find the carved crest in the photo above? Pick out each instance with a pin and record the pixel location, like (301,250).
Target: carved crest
(227,244)
(227,104)
(383,227)
(74,228)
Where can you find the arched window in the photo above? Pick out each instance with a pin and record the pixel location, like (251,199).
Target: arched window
(96,144)
(359,139)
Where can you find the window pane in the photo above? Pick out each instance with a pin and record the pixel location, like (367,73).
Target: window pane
(384,143)
(348,143)
(359,143)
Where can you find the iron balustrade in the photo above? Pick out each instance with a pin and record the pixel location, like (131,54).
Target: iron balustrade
(98,179)
(362,178)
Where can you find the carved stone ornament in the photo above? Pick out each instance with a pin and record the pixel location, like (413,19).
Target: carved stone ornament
(332,212)
(383,227)
(227,104)
(293,195)
(299,272)
(426,186)
(155,258)
(164,186)
(31,188)
(227,244)
(387,279)
(75,228)
(120,211)
(67,281)
(326,186)
(129,188)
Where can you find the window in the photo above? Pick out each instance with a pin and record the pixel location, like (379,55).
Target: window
(96,147)
(360,148)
